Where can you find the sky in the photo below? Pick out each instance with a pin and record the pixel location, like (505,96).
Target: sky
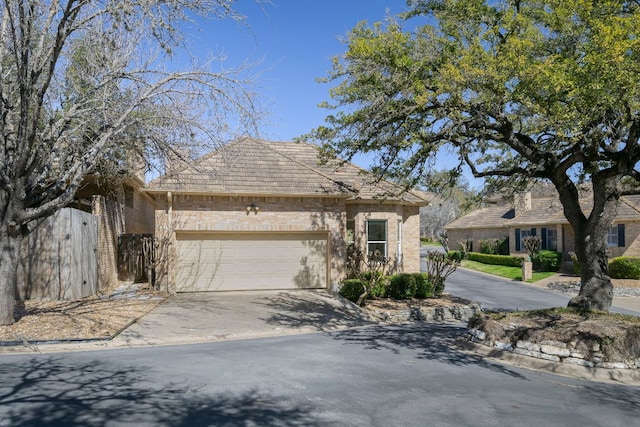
(294,41)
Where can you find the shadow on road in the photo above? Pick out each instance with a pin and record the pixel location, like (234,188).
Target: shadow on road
(51,391)
(434,342)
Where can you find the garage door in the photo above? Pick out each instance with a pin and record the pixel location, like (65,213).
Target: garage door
(249,261)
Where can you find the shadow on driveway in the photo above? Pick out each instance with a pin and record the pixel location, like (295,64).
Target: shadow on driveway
(311,311)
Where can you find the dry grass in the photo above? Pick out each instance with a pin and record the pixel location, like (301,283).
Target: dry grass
(87,318)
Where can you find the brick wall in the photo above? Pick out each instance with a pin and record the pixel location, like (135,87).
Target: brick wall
(139,216)
(409,219)
(110,224)
(229,213)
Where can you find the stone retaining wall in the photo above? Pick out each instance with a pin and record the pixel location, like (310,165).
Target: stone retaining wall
(426,314)
(555,351)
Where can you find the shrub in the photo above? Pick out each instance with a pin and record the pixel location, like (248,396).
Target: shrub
(351,289)
(546,260)
(455,255)
(510,261)
(402,286)
(503,248)
(489,246)
(438,286)
(375,274)
(380,289)
(624,268)
(576,264)
(424,287)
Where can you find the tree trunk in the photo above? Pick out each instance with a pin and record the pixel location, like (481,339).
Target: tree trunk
(596,290)
(9,252)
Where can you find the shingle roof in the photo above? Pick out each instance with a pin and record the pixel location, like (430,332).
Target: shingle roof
(253,166)
(544,210)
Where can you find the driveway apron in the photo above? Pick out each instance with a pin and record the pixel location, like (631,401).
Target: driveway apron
(204,317)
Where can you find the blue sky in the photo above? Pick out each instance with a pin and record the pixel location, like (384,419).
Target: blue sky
(295,41)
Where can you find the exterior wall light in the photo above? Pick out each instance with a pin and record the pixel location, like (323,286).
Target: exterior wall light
(253,208)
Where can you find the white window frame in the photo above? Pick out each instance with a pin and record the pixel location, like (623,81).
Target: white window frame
(612,237)
(378,242)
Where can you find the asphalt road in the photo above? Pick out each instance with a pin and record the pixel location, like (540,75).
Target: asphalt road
(404,375)
(495,293)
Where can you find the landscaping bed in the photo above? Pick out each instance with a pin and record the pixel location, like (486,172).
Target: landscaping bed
(98,317)
(591,339)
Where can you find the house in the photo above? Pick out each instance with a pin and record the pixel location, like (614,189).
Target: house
(542,215)
(256,215)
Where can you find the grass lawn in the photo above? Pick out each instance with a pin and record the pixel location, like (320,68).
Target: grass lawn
(513,273)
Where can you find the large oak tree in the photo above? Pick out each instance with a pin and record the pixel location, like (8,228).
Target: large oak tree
(517,90)
(86,84)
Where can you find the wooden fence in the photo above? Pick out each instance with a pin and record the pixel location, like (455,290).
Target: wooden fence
(58,259)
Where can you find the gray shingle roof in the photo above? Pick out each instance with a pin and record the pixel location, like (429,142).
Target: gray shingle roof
(252,166)
(544,210)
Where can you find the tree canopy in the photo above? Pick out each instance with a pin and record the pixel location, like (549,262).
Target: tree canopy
(87,85)
(517,90)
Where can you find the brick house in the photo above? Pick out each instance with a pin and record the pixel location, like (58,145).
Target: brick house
(543,216)
(266,215)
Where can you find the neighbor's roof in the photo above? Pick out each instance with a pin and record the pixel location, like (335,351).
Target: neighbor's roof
(253,166)
(545,210)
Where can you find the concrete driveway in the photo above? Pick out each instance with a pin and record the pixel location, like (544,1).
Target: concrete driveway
(204,317)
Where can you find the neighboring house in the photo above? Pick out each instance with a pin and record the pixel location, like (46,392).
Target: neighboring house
(265,215)
(543,216)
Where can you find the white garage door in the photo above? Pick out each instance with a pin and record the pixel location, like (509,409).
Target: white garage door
(249,261)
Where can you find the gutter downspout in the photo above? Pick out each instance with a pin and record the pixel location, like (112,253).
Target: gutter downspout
(170,247)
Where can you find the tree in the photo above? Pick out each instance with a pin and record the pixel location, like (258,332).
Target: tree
(518,90)
(88,83)
(453,198)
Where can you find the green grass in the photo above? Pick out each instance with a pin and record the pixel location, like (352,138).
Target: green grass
(513,273)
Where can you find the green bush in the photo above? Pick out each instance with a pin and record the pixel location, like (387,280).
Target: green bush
(351,289)
(438,286)
(624,268)
(576,264)
(368,274)
(546,260)
(510,261)
(424,287)
(380,289)
(402,286)
(455,255)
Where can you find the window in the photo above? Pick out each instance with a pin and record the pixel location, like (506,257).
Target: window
(377,236)
(552,239)
(616,236)
(524,233)
(612,239)
(521,234)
